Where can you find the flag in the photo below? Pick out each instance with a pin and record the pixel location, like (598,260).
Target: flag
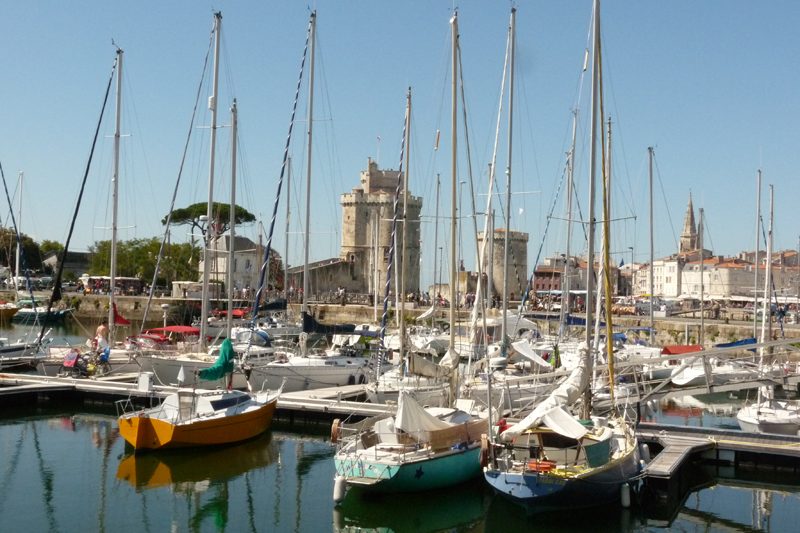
(622,262)
(119,320)
(181,376)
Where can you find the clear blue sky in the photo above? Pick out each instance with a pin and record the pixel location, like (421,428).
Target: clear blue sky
(712,85)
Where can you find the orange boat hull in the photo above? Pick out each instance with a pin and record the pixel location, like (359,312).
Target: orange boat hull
(145,433)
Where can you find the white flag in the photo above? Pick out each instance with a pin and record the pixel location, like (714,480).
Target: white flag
(181,376)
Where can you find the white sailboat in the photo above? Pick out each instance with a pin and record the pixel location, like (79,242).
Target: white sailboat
(550,458)
(769,414)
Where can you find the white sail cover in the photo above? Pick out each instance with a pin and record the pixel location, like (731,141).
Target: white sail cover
(412,418)
(426,314)
(564,423)
(565,394)
(523,348)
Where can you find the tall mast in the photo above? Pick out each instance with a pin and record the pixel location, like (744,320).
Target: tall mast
(566,286)
(454,184)
(309,134)
(210,226)
(702,280)
(19,224)
(767,303)
(112,281)
(504,327)
(436,288)
(592,175)
(652,252)
(403,257)
(232,219)
(286,244)
(755,261)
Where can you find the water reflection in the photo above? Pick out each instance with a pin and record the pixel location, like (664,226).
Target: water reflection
(456,509)
(283,481)
(193,470)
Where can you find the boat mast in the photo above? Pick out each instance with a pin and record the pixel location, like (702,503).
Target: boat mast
(286,244)
(755,261)
(591,222)
(436,287)
(232,217)
(454,184)
(766,306)
(403,257)
(512,45)
(652,251)
(309,133)
(702,281)
(19,222)
(210,226)
(112,277)
(565,287)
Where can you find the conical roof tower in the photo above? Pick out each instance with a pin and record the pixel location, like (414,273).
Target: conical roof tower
(689,234)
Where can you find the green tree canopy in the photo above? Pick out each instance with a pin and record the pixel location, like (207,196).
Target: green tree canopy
(222,214)
(8,245)
(48,246)
(137,258)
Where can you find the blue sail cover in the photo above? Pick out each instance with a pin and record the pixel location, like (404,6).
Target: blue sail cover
(222,366)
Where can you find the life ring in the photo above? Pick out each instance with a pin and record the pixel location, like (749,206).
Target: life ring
(336,430)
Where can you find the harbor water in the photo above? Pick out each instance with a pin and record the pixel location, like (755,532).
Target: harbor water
(65,468)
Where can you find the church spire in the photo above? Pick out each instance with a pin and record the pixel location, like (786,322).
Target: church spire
(689,234)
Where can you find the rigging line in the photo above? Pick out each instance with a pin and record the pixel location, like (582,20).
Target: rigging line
(664,197)
(168,220)
(262,276)
(56,294)
(524,298)
(22,257)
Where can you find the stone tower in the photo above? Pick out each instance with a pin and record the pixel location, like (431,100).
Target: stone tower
(517,261)
(371,206)
(689,233)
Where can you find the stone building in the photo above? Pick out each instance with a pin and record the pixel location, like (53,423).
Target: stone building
(367,213)
(517,261)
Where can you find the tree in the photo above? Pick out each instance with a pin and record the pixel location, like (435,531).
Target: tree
(48,246)
(137,258)
(31,253)
(221,217)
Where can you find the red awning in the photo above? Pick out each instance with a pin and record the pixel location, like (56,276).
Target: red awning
(677,349)
(184,330)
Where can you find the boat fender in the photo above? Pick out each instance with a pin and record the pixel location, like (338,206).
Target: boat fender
(351,380)
(362,379)
(484,456)
(645,452)
(339,488)
(625,495)
(336,430)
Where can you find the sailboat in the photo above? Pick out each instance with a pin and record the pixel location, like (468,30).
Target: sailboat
(769,414)
(192,417)
(551,457)
(419,448)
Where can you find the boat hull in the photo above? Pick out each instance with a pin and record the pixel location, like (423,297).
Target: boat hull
(411,476)
(147,433)
(543,490)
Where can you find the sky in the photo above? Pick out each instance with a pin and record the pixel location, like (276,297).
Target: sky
(711,85)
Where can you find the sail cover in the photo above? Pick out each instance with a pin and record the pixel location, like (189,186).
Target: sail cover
(524,349)
(222,366)
(564,395)
(414,419)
